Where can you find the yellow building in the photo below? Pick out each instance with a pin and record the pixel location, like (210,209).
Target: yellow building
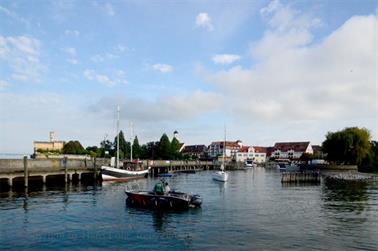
(52,145)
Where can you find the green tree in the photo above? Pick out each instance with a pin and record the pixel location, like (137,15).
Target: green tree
(349,146)
(136,148)
(175,149)
(150,150)
(164,148)
(107,148)
(94,151)
(73,147)
(306,157)
(370,163)
(124,146)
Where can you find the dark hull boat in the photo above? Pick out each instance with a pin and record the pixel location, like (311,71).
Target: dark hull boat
(167,201)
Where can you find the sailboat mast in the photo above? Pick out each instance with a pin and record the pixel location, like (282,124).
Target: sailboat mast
(131,141)
(117,161)
(224,145)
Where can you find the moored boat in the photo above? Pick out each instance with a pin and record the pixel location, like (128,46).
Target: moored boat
(160,199)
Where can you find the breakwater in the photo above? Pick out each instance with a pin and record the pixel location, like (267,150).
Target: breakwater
(18,172)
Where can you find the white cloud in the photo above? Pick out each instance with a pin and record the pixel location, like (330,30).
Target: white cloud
(203,20)
(164,108)
(70,50)
(14,15)
(72,61)
(105,79)
(163,68)
(3,84)
(109,9)
(294,79)
(74,33)
(22,56)
(225,58)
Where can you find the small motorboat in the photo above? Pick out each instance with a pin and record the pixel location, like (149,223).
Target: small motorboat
(162,198)
(165,175)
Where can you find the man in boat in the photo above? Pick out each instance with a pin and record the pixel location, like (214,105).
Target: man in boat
(159,188)
(166,187)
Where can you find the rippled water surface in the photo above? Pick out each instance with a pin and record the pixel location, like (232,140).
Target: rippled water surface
(252,211)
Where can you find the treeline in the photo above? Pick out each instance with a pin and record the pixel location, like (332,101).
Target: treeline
(352,146)
(155,150)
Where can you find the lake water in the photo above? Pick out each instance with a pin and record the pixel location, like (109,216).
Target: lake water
(252,211)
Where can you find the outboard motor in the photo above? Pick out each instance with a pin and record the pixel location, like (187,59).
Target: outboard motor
(196,200)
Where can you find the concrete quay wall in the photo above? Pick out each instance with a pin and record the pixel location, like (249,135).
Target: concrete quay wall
(8,166)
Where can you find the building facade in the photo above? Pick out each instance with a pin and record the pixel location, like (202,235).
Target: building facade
(195,151)
(255,153)
(231,149)
(52,145)
(291,150)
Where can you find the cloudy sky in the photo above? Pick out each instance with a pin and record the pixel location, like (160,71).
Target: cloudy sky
(270,70)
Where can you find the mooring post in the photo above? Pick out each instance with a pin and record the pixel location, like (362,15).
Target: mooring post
(26,174)
(95,168)
(65,170)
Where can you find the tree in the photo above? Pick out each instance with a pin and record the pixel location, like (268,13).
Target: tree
(124,146)
(349,146)
(136,148)
(175,149)
(73,147)
(306,157)
(370,163)
(164,147)
(150,150)
(106,148)
(94,151)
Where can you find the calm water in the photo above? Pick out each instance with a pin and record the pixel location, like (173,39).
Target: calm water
(253,211)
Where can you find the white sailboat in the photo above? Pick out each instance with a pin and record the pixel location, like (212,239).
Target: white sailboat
(115,173)
(221,175)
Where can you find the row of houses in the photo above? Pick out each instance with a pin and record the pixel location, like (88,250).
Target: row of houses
(236,151)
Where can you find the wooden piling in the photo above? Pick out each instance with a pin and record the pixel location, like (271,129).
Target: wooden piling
(26,173)
(95,168)
(65,170)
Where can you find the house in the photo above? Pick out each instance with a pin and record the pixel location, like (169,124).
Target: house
(291,150)
(260,154)
(232,147)
(255,153)
(197,151)
(52,145)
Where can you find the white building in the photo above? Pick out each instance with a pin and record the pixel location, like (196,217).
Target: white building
(255,153)
(291,150)
(232,147)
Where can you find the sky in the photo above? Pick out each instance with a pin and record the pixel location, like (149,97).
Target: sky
(268,71)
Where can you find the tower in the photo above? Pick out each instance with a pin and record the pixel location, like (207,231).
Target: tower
(175,135)
(52,136)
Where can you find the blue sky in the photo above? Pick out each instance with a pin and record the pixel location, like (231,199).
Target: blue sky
(270,70)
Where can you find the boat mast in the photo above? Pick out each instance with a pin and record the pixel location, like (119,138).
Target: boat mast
(117,161)
(224,145)
(131,141)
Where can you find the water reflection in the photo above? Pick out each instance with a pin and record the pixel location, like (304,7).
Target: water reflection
(345,202)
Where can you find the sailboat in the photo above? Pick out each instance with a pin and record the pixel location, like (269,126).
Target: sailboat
(221,175)
(116,173)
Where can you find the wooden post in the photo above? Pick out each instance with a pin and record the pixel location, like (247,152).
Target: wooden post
(26,174)
(95,168)
(65,170)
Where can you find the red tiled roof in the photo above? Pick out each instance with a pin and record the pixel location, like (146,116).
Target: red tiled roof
(228,143)
(194,149)
(243,149)
(287,146)
(260,149)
